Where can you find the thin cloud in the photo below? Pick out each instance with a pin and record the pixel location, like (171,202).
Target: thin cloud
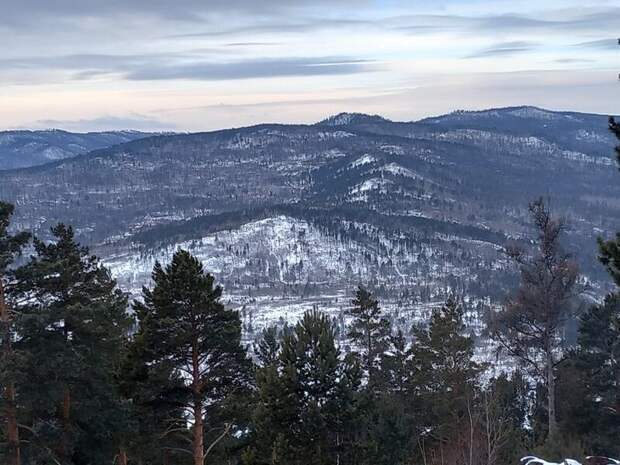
(563,21)
(573,60)
(290,26)
(152,67)
(601,44)
(252,44)
(253,69)
(504,48)
(107,123)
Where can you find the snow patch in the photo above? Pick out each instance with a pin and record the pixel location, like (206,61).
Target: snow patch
(364,160)
(371,185)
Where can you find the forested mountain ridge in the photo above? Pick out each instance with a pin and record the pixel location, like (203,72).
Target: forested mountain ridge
(22,148)
(417,210)
(402,373)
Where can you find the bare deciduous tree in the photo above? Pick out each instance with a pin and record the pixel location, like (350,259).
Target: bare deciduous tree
(530,327)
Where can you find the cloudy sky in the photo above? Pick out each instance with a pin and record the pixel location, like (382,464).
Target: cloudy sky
(194,65)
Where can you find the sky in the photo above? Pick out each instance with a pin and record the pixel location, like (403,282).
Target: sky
(196,65)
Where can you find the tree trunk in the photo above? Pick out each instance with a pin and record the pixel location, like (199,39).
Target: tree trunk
(553,425)
(66,424)
(11,426)
(122,457)
(198,442)
(10,410)
(198,439)
(471,434)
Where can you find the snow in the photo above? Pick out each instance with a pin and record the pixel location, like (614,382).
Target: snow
(533,460)
(364,160)
(397,170)
(275,269)
(371,185)
(535,113)
(334,135)
(341,119)
(501,144)
(392,149)
(55,153)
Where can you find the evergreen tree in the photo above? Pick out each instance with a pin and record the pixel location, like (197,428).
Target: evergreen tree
(386,419)
(610,250)
(596,368)
(396,366)
(369,332)
(307,402)
(268,348)
(596,377)
(445,377)
(10,247)
(530,326)
(185,326)
(152,393)
(504,408)
(73,323)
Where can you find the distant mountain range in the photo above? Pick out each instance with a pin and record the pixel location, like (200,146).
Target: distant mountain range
(21,149)
(292,216)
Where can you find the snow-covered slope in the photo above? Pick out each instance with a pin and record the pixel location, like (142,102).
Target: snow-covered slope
(291,216)
(276,268)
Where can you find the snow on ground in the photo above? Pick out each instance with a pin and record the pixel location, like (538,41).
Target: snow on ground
(363,160)
(273,270)
(370,185)
(397,170)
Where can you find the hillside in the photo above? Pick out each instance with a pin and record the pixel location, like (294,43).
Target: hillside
(291,216)
(21,149)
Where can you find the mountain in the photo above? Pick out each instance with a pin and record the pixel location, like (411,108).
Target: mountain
(347,119)
(293,216)
(21,149)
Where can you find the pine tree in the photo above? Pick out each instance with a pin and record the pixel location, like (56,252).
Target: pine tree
(387,418)
(10,247)
(268,348)
(153,395)
(530,326)
(184,324)
(598,370)
(504,406)
(397,366)
(445,376)
(369,332)
(597,365)
(307,402)
(609,251)
(73,324)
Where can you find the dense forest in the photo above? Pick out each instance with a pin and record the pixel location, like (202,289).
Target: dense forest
(85,382)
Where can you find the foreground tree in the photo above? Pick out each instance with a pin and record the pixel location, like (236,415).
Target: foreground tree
(307,400)
(268,348)
(610,250)
(530,326)
(369,332)
(73,324)
(598,357)
(10,247)
(184,325)
(445,376)
(153,397)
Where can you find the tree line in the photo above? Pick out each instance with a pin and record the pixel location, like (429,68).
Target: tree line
(85,382)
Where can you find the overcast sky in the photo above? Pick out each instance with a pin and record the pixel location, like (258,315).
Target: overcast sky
(194,65)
